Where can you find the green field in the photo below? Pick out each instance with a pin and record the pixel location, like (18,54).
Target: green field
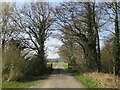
(65,65)
(54,64)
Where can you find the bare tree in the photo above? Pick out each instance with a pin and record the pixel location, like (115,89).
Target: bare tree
(79,21)
(35,21)
(117,39)
(6,32)
(114,17)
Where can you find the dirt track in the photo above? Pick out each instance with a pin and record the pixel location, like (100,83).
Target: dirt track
(59,79)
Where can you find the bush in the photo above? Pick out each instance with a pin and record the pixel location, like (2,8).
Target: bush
(34,67)
(107,59)
(12,64)
(17,69)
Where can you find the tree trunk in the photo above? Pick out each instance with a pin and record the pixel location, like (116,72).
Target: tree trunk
(91,57)
(41,54)
(117,44)
(97,40)
(91,44)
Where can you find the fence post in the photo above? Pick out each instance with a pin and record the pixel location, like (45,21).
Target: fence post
(51,65)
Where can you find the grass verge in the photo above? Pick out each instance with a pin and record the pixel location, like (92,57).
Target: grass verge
(19,84)
(85,80)
(24,84)
(28,81)
(88,82)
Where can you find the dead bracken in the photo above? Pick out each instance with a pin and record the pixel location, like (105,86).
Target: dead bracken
(104,80)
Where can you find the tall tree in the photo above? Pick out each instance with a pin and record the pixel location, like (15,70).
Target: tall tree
(114,16)
(35,21)
(97,37)
(6,11)
(117,39)
(78,20)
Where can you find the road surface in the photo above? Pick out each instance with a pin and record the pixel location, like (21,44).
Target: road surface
(59,79)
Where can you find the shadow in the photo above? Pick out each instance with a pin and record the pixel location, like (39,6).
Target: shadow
(30,77)
(34,78)
(55,71)
(59,71)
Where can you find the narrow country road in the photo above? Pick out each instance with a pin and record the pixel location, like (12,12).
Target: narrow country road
(59,79)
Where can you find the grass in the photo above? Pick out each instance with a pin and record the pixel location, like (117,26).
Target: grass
(85,80)
(24,84)
(55,64)
(99,81)
(48,64)
(19,84)
(65,65)
(95,80)
(27,83)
